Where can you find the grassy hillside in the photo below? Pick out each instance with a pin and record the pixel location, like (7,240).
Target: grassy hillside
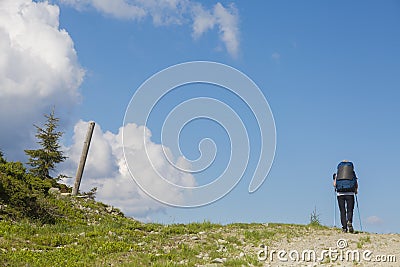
(93,234)
(38,228)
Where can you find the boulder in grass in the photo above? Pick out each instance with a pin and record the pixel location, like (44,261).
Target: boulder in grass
(54,191)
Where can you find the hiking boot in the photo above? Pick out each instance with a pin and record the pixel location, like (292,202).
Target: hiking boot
(350,226)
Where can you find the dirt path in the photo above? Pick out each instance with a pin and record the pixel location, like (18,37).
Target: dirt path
(344,249)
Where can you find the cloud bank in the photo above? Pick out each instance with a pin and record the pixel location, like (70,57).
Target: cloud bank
(106,169)
(178,12)
(374,220)
(38,69)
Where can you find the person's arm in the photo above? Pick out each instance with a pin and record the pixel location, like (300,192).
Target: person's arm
(356,191)
(334,180)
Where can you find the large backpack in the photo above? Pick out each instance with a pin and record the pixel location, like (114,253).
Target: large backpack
(346,179)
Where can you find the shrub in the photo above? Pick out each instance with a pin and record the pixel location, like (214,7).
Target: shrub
(22,194)
(314,218)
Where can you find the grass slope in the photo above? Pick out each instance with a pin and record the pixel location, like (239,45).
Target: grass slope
(93,234)
(38,228)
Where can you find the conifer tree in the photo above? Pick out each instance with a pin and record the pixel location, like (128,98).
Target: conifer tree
(44,159)
(2,160)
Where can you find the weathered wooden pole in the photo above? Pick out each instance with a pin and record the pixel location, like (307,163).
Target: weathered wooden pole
(79,171)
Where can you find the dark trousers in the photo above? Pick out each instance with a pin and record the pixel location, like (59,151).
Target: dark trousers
(346,207)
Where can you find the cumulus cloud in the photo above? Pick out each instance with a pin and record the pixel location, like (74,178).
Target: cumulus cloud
(106,169)
(38,69)
(374,220)
(178,12)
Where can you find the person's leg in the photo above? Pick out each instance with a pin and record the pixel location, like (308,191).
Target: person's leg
(342,209)
(350,209)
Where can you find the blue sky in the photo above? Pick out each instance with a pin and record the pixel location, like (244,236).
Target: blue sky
(329,70)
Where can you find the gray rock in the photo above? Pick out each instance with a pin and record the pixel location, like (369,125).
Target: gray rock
(54,191)
(110,233)
(218,260)
(195,238)
(109,209)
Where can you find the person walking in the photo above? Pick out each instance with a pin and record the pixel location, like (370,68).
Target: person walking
(346,186)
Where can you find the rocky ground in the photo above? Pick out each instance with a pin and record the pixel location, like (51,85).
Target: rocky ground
(333,248)
(304,246)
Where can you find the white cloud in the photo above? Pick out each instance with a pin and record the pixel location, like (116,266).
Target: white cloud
(276,56)
(228,26)
(116,8)
(203,20)
(38,69)
(179,12)
(107,170)
(374,220)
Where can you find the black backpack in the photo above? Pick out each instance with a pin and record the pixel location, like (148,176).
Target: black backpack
(346,180)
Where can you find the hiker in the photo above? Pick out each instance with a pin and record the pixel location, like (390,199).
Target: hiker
(346,186)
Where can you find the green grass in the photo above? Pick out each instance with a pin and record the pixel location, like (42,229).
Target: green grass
(97,238)
(363,240)
(86,234)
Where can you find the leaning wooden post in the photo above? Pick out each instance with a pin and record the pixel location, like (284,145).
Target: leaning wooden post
(79,171)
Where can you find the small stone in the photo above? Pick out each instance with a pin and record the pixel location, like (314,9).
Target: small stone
(54,190)
(200,256)
(218,260)
(221,241)
(241,255)
(109,209)
(195,237)
(221,249)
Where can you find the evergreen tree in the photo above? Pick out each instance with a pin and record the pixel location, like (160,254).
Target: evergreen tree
(2,160)
(44,159)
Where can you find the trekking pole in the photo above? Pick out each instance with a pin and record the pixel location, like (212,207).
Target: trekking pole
(334,203)
(334,209)
(359,216)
